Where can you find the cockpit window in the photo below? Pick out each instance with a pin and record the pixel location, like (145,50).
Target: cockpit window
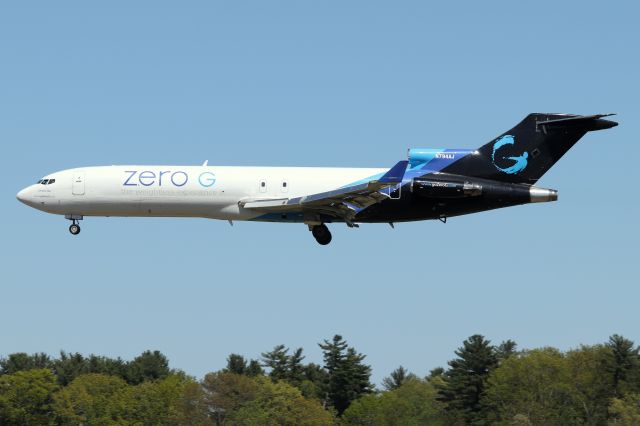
(46,181)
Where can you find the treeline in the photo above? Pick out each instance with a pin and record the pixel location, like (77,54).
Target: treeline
(483,384)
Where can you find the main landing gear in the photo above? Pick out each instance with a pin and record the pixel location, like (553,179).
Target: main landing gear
(74,218)
(75,228)
(321,233)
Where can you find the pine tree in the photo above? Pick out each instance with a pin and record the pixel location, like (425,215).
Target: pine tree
(435,372)
(236,364)
(295,368)
(397,378)
(21,362)
(624,361)
(147,366)
(465,380)
(506,349)
(254,369)
(348,377)
(278,361)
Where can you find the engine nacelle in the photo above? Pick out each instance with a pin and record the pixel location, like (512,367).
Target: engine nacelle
(445,189)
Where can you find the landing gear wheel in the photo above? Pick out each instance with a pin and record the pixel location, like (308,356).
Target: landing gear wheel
(322,234)
(74,229)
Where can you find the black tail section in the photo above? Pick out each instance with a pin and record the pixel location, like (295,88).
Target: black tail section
(526,152)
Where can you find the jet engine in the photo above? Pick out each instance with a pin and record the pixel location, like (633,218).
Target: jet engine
(445,189)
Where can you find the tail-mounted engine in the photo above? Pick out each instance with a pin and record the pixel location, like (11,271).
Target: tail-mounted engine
(445,189)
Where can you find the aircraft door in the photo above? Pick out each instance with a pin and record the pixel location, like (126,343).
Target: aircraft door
(78,184)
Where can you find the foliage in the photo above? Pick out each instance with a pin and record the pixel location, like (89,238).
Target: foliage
(348,377)
(397,378)
(464,382)
(280,404)
(506,349)
(159,402)
(483,384)
(147,366)
(412,403)
(21,361)
(623,365)
(95,399)
(226,392)
(534,386)
(625,411)
(26,397)
(237,364)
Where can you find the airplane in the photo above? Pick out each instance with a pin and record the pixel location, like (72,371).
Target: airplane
(430,184)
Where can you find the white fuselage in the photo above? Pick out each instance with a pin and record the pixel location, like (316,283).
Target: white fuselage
(181,191)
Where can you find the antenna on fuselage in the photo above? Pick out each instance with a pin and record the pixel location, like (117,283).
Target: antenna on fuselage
(206,163)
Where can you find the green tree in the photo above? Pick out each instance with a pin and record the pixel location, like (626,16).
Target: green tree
(315,382)
(625,411)
(226,392)
(277,361)
(413,403)
(348,376)
(534,386)
(464,382)
(237,364)
(159,402)
(191,408)
(435,372)
(364,411)
(397,378)
(506,349)
(21,361)
(623,365)
(68,367)
(147,366)
(26,397)
(105,365)
(295,368)
(279,404)
(94,399)
(254,369)
(592,387)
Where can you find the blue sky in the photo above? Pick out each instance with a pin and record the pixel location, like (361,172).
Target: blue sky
(315,84)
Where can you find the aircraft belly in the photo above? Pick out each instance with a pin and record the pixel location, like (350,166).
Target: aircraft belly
(411,208)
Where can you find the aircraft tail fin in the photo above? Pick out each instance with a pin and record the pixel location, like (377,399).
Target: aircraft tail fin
(530,149)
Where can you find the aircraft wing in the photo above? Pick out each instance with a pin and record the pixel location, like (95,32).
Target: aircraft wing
(343,203)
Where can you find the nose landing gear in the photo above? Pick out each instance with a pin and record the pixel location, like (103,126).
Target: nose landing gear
(321,233)
(74,218)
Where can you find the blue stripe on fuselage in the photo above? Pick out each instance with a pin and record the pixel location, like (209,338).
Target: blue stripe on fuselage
(435,164)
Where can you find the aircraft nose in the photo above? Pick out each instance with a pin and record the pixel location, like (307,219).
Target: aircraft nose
(22,196)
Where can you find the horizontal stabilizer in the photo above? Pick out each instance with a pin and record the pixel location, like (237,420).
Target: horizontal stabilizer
(585,122)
